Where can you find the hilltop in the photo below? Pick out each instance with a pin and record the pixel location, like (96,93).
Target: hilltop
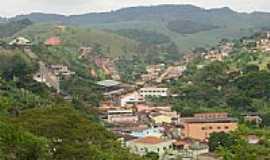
(186,25)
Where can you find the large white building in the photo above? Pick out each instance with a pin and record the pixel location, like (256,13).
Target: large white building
(154,92)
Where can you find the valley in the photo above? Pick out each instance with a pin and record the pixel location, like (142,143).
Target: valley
(140,83)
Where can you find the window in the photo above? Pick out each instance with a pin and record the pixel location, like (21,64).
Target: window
(226,127)
(218,127)
(210,127)
(203,128)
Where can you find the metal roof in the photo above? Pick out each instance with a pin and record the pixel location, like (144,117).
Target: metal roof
(108,83)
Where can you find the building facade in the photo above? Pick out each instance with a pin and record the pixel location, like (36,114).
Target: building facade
(145,145)
(202,125)
(154,92)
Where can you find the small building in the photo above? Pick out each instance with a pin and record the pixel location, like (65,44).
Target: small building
(161,119)
(153,132)
(53,41)
(84,51)
(110,87)
(122,116)
(132,98)
(154,92)
(253,139)
(145,145)
(20,41)
(252,117)
(202,125)
(60,69)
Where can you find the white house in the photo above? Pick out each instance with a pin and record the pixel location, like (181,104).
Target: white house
(154,92)
(131,98)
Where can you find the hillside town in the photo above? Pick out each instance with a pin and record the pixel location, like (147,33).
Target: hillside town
(135,80)
(141,126)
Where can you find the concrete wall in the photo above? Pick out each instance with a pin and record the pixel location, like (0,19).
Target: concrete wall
(202,131)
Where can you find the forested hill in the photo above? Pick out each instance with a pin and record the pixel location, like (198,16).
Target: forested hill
(37,124)
(186,25)
(164,13)
(10,28)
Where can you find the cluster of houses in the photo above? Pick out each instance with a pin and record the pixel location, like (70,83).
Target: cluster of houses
(219,53)
(145,128)
(51,75)
(263,43)
(158,73)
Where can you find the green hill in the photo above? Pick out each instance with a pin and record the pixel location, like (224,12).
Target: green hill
(186,25)
(112,45)
(37,124)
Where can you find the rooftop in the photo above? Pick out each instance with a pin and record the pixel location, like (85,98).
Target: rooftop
(149,140)
(214,120)
(20,41)
(53,41)
(108,83)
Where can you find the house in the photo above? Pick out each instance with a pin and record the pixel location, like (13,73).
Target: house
(132,98)
(202,125)
(161,119)
(20,41)
(155,68)
(214,55)
(252,117)
(122,116)
(84,51)
(62,70)
(154,92)
(145,145)
(153,132)
(143,108)
(110,87)
(173,72)
(194,147)
(253,139)
(44,75)
(60,28)
(53,41)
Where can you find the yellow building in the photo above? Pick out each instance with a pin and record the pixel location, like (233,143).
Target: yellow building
(161,119)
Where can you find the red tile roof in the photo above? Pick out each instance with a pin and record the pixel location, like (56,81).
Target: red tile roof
(53,41)
(149,140)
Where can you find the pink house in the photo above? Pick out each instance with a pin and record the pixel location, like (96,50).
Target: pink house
(143,108)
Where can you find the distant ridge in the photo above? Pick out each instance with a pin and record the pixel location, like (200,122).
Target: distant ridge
(131,13)
(187,26)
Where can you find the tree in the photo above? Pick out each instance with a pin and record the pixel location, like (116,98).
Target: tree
(151,156)
(20,145)
(250,68)
(221,139)
(73,136)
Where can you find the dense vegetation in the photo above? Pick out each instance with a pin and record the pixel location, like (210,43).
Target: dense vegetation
(10,28)
(156,18)
(147,37)
(235,146)
(189,27)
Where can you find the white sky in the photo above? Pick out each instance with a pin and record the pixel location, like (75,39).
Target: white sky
(10,8)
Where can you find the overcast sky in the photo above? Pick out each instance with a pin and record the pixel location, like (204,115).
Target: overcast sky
(14,7)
